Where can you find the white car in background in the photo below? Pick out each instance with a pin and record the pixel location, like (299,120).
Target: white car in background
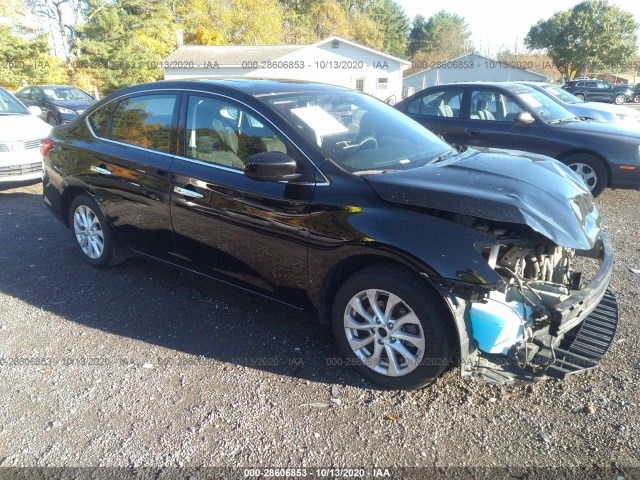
(20,133)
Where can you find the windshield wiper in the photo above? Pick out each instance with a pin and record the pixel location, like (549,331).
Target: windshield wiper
(565,120)
(442,155)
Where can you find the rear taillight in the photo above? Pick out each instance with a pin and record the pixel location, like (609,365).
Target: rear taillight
(45,145)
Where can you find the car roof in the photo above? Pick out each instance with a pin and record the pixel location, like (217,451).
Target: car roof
(509,86)
(253,86)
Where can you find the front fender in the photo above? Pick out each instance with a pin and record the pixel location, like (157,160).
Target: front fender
(441,249)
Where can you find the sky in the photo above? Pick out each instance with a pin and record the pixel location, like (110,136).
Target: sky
(500,23)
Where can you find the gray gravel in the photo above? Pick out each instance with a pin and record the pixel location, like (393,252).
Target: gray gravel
(144,366)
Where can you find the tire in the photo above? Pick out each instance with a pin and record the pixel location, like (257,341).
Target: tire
(51,120)
(636,98)
(428,336)
(620,99)
(592,170)
(581,96)
(101,250)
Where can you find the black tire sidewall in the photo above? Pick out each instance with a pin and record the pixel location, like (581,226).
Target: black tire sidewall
(596,165)
(107,253)
(436,325)
(624,99)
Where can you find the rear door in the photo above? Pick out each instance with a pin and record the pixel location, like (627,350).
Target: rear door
(128,168)
(252,233)
(440,110)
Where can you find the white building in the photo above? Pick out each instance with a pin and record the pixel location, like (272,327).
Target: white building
(334,60)
(471,67)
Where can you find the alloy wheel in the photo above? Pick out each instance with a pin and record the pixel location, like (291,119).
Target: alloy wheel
(88,231)
(384,332)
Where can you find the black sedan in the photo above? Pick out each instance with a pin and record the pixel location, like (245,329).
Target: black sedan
(518,117)
(59,103)
(596,111)
(414,251)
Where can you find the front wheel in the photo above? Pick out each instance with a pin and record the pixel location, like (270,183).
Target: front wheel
(393,327)
(620,99)
(592,171)
(92,234)
(636,98)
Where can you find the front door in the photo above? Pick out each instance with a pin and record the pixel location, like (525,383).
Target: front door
(225,224)
(492,123)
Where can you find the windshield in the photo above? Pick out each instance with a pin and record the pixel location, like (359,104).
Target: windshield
(57,94)
(561,94)
(543,106)
(9,105)
(359,132)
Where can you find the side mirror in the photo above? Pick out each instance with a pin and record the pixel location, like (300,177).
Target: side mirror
(271,167)
(525,117)
(35,110)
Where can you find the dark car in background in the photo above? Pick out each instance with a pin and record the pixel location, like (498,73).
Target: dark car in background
(596,111)
(636,93)
(518,117)
(416,252)
(599,91)
(59,103)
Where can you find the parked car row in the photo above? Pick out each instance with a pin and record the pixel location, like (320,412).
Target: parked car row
(597,90)
(519,116)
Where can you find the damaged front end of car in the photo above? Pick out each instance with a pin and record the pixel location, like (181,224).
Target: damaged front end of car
(542,319)
(534,302)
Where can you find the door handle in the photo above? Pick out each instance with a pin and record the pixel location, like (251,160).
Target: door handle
(471,132)
(101,170)
(187,192)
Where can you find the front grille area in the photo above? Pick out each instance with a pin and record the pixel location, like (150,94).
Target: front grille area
(15,170)
(29,144)
(3,148)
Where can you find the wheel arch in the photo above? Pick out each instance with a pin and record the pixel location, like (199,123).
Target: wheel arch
(351,265)
(594,154)
(69,193)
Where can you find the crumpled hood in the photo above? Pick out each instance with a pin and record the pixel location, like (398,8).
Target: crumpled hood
(504,186)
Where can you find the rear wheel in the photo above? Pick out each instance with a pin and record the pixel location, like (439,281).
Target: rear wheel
(92,234)
(620,99)
(636,98)
(581,96)
(591,170)
(393,327)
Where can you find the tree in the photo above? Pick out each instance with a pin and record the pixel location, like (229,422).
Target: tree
(536,62)
(592,35)
(328,18)
(393,23)
(241,22)
(444,34)
(123,42)
(26,59)
(61,17)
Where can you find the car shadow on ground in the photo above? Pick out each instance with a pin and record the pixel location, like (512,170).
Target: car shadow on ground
(182,312)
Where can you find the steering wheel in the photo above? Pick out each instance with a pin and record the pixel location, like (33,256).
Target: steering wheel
(370,139)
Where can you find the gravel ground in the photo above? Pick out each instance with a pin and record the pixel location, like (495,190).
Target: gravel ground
(142,366)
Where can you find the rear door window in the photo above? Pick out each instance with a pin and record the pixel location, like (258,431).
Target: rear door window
(145,121)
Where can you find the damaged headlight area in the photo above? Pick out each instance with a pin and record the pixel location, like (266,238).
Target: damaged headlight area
(543,318)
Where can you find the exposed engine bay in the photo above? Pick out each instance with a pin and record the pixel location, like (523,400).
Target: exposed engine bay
(512,325)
